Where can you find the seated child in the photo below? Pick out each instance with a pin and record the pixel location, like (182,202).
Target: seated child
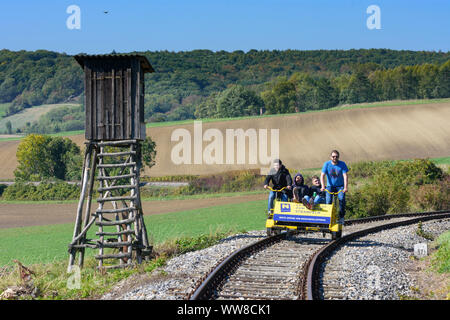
(315,195)
(299,189)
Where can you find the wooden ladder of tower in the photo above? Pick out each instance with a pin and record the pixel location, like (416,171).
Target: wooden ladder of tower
(122,235)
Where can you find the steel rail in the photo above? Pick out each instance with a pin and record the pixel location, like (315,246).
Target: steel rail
(213,280)
(311,272)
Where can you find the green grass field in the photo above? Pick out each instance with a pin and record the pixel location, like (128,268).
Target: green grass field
(20,119)
(3,107)
(144,198)
(442,161)
(44,244)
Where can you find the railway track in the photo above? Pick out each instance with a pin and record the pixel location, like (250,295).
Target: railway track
(288,266)
(318,284)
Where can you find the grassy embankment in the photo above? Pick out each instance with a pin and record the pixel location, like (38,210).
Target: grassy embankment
(441,257)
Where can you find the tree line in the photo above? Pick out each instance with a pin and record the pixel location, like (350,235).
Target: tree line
(203,83)
(33,78)
(305,92)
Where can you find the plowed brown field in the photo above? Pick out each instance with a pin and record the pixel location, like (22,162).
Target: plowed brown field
(305,140)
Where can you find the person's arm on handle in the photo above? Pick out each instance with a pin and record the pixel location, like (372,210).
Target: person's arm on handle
(345,182)
(322,181)
(289,181)
(267,181)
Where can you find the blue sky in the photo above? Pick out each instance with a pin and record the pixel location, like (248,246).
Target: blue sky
(175,25)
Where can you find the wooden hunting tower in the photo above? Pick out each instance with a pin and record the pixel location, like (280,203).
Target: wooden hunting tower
(114,105)
(114,96)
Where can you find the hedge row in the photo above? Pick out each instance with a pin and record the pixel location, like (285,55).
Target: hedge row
(378,188)
(43,191)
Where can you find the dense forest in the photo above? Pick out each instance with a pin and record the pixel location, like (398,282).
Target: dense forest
(203,83)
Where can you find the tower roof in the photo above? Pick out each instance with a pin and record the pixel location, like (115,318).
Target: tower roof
(145,64)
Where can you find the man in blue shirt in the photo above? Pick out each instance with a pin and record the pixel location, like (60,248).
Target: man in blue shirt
(336,173)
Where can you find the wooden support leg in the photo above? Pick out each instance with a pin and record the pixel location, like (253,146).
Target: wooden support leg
(89,200)
(78,221)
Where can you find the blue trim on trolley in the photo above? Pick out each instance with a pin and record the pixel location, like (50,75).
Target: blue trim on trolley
(305,219)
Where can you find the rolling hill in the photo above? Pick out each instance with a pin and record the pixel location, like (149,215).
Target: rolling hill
(305,139)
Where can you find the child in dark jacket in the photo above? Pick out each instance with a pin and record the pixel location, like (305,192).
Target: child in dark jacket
(315,195)
(299,189)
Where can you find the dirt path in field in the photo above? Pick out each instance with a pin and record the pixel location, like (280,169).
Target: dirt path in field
(23,215)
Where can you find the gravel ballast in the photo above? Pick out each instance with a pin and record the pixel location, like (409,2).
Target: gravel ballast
(378,266)
(371,267)
(179,276)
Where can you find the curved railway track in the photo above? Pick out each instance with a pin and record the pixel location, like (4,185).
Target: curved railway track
(287,266)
